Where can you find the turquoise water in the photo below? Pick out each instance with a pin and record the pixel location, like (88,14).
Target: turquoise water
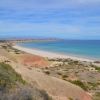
(84,48)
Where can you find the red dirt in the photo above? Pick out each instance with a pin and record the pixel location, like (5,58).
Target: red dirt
(33,60)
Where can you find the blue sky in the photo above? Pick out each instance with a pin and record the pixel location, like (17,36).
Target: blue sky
(70,19)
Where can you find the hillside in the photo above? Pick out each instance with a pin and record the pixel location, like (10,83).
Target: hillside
(57,88)
(32,60)
(24,58)
(13,87)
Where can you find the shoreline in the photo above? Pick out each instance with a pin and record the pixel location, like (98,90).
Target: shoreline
(51,54)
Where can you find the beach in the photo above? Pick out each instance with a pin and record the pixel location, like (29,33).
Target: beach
(51,54)
(57,74)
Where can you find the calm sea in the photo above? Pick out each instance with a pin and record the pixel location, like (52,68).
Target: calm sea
(84,48)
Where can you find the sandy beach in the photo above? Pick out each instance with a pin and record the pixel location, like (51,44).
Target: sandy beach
(51,54)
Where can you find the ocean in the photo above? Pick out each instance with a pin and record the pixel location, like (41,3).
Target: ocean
(82,48)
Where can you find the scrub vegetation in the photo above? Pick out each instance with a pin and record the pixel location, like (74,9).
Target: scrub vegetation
(13,87)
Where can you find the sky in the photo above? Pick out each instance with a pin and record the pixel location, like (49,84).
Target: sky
(68,19)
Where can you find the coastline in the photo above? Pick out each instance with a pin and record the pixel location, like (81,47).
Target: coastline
(51,54)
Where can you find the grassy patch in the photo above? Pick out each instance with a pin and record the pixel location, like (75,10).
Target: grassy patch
(12,86)
(97,68)
(96,96)
(8,76)
(80,84)
(92,84)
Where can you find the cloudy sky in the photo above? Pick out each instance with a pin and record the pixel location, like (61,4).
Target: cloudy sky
(70,19)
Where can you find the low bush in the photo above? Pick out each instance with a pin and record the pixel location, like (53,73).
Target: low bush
(13,87)
(97,68)
(80,84)
(8,76)
(47,72)
(21,94)
(64,76)
(96,96)
(75,62)
(59,73)
(93,84)
(70,98)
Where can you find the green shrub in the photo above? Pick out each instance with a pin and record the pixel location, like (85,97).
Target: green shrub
(47,72)
(8,76)
(97,68)
(70,98)
(59,73)
(96,96)
(93,84)
(80,84)
(45,95)
(5,47)
(64,76)
(13,87)
(75,62)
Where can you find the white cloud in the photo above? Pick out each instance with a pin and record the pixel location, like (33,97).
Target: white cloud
(44,4)
(50,16)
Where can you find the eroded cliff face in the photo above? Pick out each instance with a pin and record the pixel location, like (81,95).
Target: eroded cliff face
(33,60)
